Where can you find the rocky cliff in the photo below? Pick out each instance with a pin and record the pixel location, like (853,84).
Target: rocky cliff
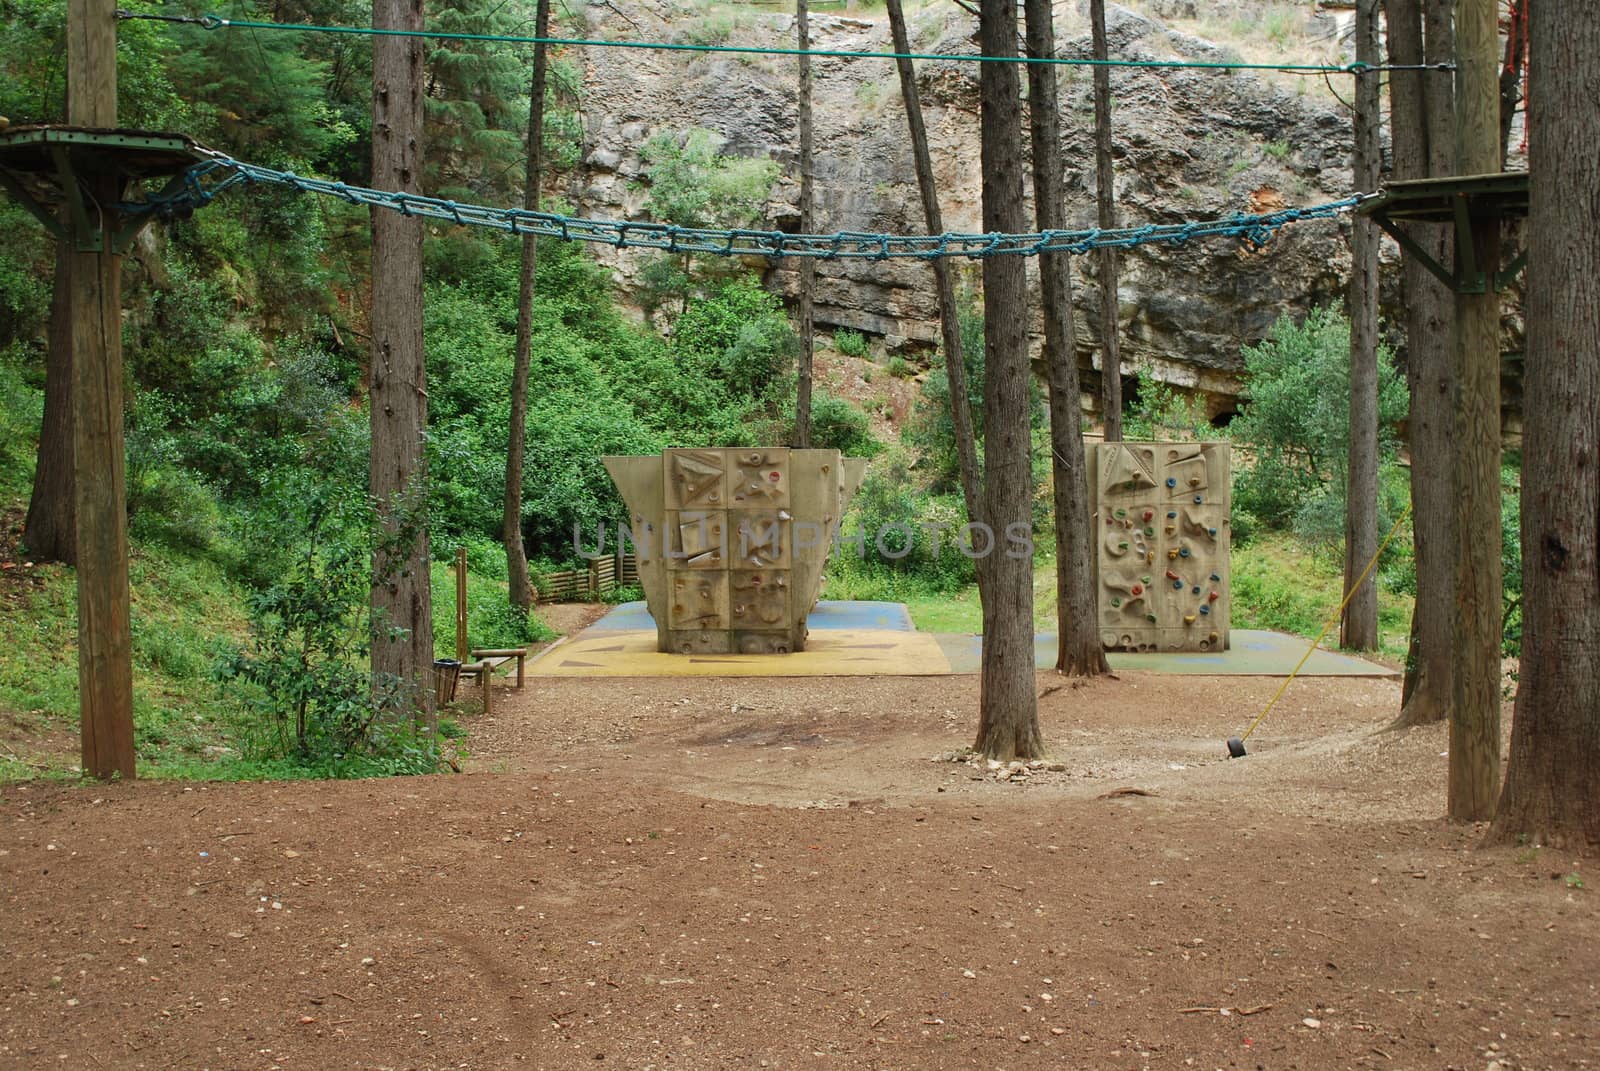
(1189,144)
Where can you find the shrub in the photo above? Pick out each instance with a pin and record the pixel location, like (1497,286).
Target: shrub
(850,343)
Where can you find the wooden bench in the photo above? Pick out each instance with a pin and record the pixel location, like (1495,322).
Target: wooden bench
(489,659)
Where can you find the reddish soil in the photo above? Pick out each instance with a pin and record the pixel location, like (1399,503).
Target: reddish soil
(774,873)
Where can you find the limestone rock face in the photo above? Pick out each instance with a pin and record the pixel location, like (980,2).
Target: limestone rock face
(1189,144)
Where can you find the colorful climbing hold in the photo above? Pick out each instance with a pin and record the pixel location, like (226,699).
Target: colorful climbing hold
(1214,576)
(1122,513)
(1172,481)
(1171,575)
(1197,500)
(1135,590)
(1209,598)
(1183,552)
(1149,513)
(1150,618)
(1196,590)
(1171,513)
(1149,531)
(1205,609)
(1188,619)
(1116,602)
(1177,585)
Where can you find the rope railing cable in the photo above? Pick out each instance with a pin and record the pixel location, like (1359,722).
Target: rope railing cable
(218,22)
(208,179)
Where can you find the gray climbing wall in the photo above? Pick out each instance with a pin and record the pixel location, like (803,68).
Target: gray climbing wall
(1160,521)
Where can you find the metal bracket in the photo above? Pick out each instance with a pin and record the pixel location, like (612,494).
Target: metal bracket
(1455,201)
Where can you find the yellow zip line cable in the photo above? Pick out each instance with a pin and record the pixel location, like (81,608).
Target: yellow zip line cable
(1329,623)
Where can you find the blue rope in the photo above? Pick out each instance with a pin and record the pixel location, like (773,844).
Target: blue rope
(207,180)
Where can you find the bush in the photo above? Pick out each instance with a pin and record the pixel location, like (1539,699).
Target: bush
(1296,425)
(850,343)
(837,424)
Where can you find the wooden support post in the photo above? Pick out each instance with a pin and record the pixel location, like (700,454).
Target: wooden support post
(1475,713)
(105,642)
(461,605)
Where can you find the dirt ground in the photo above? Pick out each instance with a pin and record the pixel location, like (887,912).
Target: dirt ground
(778,873)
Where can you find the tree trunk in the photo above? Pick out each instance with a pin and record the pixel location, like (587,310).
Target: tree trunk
(1552,790)
(518,587)
(1008,712)
(1106,206)
(1475,711)
(1422,119)
(49,531)
(1079,652)
(808,266)
(402,624)
(949,318)
(1359,629)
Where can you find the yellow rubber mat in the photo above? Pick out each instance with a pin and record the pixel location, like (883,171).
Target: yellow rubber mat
(828,653)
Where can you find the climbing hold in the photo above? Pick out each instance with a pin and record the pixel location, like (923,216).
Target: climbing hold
(1177,585)
(1194,481)
(1171,575)
(1183,552)
(1197,500)
(1205,609)
(1196,590)
(1150,618)
(1209,598)
(1171,513)
(1117,602)
(1123,545)
(1122,513)
(1212,532)
(1212,637)
(1214,576)
(1145,579)
(1135,590)
(1172,554)
(1149,513)
(1188,619)
(1172,481)
(1149,531)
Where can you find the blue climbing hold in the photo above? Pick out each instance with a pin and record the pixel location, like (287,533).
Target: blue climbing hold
(1171,481)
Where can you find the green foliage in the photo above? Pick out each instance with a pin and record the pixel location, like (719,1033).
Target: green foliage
(850,343)
(840,425)
(931,431)
(893,514)
(21,408)
(900,368)
(1296,425)
(1161,412)
(491,619)
(306,671)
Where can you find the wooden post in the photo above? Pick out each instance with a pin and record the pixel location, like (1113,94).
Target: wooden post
(461,605)
(105,642)
(1475,713)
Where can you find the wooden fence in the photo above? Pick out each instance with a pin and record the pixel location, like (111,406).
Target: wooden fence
(599,579)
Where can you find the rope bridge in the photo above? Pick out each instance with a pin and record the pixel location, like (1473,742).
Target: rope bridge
(205,181)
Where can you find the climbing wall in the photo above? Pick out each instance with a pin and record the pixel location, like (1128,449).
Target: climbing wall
(734,541)
(1160,516)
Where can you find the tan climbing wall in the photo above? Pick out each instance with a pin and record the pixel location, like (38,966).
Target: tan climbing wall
(1160,522)
(734,541)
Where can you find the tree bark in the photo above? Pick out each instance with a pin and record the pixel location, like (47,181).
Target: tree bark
(49,531)
(1008,712)
(1423,114)
(1079,652)
(808,266)
(1475,711)
(402,624)
(1359,629)
(1106,208)
(1552,790)
(519,589)
(949,317)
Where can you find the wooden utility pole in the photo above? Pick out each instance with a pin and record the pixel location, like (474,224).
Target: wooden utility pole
(1106,206)
(1359,629)
(1475,714)
(808,265)
(105,642)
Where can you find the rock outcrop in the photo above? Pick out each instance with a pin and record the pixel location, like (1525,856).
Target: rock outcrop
(1189,144)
